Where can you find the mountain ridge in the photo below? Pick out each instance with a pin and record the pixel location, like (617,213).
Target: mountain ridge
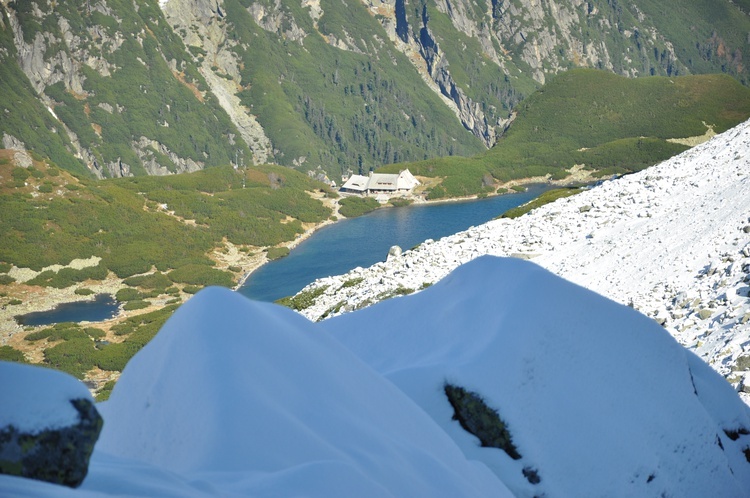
(424,79)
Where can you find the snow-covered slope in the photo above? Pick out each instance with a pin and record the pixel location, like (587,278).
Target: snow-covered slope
(599,400)
(238,398)
(673,241)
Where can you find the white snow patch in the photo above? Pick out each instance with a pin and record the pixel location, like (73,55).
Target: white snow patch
(33,399)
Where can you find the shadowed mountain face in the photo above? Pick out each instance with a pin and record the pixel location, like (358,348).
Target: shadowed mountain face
(145,87)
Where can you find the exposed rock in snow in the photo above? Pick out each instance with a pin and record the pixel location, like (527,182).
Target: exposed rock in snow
(48,425)
(571,395)
(597,399)
(669,241)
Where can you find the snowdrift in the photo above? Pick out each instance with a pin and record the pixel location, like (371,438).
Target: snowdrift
(238,398)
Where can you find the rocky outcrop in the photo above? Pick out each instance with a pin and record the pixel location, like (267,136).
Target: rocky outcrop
(20,156)
(469,112)
(472,412)
(47,434)
(202,24)
(145,149)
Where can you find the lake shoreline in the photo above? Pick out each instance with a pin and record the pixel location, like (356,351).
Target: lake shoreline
(577,176)
(40,299)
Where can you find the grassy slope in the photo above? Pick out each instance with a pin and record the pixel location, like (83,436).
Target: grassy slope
(621,123)
(54,218)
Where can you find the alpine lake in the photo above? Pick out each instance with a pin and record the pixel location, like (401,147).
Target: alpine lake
(332,250)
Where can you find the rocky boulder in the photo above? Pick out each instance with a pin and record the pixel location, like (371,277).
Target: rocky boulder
(48,425)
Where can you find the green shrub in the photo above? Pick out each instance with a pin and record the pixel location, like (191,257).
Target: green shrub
(153,281)
(83,291)
(136,305)
(351,207)
(6,279)
(277,252)
(68,276)
(192,289)
(127,294)
(59,331)
(15,302)
(8,353)
(5,267)
(105,392)
(201,275)
(74,356)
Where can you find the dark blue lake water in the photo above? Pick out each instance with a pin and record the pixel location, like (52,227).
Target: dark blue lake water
(101,308)
(363,241)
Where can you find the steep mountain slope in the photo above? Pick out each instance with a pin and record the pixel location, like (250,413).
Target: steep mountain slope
(568,393)
(673,241)
(598,122)
(127,96)
(177,85)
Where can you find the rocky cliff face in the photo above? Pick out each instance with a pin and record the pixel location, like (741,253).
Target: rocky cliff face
(112,77)
(206,32)
(533,40)
(162,87)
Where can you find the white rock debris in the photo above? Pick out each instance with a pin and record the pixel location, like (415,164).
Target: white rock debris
(673,241)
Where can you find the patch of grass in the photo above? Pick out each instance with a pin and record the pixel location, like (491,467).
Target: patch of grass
(201,275)
(545,198)
(352,282)
(302,300)
(6,280)
(153,281)
(127,294)
(401,202)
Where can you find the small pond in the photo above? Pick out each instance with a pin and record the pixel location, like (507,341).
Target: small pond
(103,307)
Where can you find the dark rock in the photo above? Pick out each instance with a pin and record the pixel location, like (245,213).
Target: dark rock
(479,419)
(60,455)
(531,475)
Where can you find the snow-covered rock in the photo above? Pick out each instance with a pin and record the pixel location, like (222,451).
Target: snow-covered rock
(239,398)
(48,425)
(675,229)
(598,399)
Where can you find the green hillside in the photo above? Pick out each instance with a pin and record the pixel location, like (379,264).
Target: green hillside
(608,123)
(128,101)
(135,224)
(335,108)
